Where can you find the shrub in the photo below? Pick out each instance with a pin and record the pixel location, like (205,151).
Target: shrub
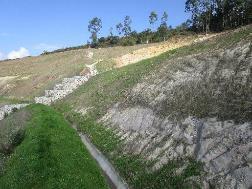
(129,41)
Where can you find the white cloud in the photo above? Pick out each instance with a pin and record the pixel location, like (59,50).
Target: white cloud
(22,52)
(46,47)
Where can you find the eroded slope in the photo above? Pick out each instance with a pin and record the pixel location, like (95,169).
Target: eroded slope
(196,106)
(28,77)
(160,115)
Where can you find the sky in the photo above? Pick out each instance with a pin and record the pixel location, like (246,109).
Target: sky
(28,27)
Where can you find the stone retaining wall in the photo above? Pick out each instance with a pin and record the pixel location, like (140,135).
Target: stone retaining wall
(67,86)
(61,90)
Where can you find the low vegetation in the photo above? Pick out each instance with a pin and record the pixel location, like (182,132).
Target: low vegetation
(12,131)
(11,134)
(23,79)
(40,149)
(207,16)
(135,170)
(51,155)
(6,100)
(105,89)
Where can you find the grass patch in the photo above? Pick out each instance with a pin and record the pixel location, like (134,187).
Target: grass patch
(7,100)
(11,134)
(12,130)
(2,162)
(95,132)
(105,89)
(50,156)
(105,65)
(135,170)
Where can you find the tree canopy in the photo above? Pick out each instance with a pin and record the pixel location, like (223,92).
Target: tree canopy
(153,18)
(127,25)
(218,15)
(94,27)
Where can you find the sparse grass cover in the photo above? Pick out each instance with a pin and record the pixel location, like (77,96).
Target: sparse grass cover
(50,156)
(135,170)
(6,100)
(2,161)
(105,65)
(29,77)
(105,89)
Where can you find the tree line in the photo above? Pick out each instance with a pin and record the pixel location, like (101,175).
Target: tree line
(219,15)
(125,35)
(206,16)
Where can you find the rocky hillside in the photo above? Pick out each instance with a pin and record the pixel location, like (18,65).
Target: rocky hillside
(190,104)
(23,79)
(196,106)
(181,119)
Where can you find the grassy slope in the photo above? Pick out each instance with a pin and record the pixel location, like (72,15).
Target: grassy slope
(28,77)
(50,156)
(11,134)
(134,169)
(108,88)
(6,100)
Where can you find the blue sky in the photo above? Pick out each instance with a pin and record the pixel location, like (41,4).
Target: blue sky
(37,25)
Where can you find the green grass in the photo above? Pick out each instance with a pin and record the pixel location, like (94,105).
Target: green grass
(50,156)
(11,128)
(103,90)
(7,100)
(106,89)
(135,170)
(105,65)
(11,134)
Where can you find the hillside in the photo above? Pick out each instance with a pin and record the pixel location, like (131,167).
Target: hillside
(175,114)
(48,153)
(23,79)
(163,114)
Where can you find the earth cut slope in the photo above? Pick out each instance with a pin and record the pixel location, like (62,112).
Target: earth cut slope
(193,102)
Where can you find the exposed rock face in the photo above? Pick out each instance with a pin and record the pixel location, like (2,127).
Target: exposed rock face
(195,106)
